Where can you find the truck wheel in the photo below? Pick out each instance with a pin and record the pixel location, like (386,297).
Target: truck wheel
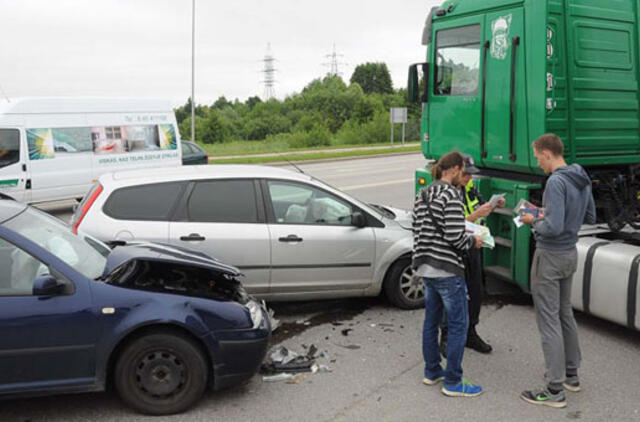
(161,374)
(400,287)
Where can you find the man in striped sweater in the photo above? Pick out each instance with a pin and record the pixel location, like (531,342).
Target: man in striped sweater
(439,242)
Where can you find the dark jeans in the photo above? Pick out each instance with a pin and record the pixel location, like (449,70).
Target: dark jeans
(445,294)
(475,287)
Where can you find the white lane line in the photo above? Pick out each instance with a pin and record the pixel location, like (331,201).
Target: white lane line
(372,185)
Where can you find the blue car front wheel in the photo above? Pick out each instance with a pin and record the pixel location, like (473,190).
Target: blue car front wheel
(161,373)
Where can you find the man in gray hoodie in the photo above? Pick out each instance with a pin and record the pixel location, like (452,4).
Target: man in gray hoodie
(567,203)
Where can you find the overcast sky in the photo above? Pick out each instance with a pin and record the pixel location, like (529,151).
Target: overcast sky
(142,48)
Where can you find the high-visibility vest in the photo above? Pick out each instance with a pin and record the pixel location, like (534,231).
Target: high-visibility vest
(471,200)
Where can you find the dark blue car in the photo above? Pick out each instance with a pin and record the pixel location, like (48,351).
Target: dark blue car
(162,323)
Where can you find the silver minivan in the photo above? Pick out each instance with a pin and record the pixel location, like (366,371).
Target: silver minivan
(293,236)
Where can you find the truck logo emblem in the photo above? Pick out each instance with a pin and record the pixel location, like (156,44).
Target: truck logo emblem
(500,34)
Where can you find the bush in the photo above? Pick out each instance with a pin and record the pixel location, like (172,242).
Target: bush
(374,131)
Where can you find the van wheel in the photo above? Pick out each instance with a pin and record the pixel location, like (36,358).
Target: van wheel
(161,374)
(400,287)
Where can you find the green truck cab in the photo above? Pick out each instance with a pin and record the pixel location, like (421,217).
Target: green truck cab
(500,73)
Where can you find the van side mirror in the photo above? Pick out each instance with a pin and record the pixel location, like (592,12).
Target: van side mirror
(358,220)
(47,285)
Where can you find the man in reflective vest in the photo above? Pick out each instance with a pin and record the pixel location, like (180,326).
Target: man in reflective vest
(475,210)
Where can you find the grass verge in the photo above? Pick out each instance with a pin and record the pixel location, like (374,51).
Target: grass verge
(292,156)
(263,147)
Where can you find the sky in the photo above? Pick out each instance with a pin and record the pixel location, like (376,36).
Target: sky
(142,48)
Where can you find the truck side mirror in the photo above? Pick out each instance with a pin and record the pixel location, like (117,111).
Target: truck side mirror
(413,84)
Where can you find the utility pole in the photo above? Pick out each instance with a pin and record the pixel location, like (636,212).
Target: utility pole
(193,70)
(334,64)
(269,74)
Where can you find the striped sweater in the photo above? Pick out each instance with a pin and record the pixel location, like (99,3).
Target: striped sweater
(443,248)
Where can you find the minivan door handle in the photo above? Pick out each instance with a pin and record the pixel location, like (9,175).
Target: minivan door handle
(290,238)
(192,237)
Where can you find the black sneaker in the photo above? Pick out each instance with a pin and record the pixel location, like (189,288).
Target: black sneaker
(545,398)
(476,343)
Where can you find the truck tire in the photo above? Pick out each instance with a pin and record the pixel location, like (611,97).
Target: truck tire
(161,374)
(400,288)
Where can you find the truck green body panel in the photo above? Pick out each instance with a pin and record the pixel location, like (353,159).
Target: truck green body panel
(574,72)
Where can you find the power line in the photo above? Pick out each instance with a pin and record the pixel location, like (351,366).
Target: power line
(269,74)
(334,63)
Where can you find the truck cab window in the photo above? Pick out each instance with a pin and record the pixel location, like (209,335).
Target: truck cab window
(457,61)
(9,147)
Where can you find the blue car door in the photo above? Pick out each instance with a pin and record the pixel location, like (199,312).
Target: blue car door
(46,341)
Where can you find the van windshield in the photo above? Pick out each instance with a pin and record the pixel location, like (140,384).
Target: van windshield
(9,147)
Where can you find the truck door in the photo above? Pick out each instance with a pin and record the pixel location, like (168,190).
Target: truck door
(505,120)
(13,169)
(454,107)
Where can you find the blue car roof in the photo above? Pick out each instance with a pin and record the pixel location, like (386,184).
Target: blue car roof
(9,209)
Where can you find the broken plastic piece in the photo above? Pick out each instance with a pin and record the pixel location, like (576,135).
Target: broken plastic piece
(278,377)
(275,323)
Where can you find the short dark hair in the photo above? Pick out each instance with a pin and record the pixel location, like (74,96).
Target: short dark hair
(447,161)
(549,142)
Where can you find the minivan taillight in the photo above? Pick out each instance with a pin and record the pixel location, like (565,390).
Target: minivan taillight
(84,207)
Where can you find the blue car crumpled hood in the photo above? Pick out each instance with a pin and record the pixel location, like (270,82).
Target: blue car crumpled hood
(167,253)
(169,269)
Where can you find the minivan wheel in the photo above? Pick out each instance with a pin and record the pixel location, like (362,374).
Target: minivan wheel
(161,374)
(401,288)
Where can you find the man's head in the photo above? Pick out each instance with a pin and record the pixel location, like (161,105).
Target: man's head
(469,170)
(548,150)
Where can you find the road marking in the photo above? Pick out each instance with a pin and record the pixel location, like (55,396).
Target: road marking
(372,185)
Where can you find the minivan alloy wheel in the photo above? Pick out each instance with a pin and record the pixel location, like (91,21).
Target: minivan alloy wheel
(410,286)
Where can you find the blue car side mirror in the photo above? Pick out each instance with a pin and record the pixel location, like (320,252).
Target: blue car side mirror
(47,285)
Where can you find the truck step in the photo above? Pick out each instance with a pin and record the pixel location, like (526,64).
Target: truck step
(499,272)
(503,241)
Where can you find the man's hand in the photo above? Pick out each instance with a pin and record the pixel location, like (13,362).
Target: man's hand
(501,203)
(483,210)
(478,241)
(527,219)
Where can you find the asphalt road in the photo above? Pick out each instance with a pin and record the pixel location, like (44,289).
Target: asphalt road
(377,365)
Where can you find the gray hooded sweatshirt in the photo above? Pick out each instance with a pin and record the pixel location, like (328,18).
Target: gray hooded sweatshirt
(568,204)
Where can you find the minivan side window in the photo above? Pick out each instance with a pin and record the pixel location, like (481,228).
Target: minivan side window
(295,203)
(153,202)
(9,147)
(223,201)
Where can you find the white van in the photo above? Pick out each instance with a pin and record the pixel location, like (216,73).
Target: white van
(54,148)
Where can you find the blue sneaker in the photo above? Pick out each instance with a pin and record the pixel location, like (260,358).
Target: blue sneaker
(463,389)
(433,381)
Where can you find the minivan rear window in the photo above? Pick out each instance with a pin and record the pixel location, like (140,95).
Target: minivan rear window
(153,202)
(9,147)
(223,201)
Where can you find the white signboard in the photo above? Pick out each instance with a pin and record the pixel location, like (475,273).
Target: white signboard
(398,115)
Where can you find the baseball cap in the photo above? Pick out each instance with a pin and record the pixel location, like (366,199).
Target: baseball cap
(469,165)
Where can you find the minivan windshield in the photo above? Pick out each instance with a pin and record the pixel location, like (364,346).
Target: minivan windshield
(83,253)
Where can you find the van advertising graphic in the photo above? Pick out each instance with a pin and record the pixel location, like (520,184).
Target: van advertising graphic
(103,140)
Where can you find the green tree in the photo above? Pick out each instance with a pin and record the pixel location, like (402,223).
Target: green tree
(373,77)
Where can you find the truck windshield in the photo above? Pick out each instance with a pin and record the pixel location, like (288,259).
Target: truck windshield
(84,254)
(457,61)
(9,147)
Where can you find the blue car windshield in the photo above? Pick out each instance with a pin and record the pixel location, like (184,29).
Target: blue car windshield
(85,254)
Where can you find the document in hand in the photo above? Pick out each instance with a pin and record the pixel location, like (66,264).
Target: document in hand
(525,207)
(495,199)
(483,232)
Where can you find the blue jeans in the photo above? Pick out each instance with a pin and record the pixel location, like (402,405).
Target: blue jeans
(449,293)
